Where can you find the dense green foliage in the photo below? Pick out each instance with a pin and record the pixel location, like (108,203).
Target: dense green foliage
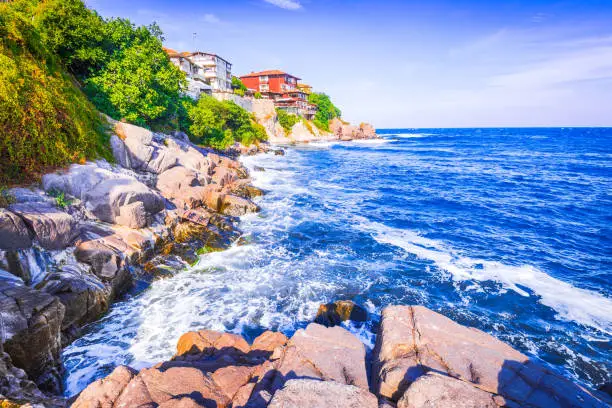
(326,110)
(125,70)
(257,95)
(221,124)
(239,87)
(286,120)
(45,120)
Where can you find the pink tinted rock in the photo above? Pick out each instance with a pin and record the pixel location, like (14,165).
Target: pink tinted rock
(104,392)
(306,393)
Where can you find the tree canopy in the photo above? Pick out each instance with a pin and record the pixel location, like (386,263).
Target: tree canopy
(326,110)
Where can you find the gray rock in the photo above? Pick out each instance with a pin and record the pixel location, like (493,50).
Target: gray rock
(106,199)
(132,215)
(120,152)
(32,322)
(104,261)
(306,393)
(54,229)
(13,232)
(84,296)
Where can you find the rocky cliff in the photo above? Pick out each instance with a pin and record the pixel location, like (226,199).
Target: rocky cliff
(421,359)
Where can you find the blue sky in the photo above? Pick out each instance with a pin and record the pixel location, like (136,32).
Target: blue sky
(427,63)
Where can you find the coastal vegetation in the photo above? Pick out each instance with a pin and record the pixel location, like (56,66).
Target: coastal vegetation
(326,110)
(239,88)
(286,120)
(45,119)
(219,124)
(63,64)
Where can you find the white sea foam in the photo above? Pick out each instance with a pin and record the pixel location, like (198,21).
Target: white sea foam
(412,135)
(571,303)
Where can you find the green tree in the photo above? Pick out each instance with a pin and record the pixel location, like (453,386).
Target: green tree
(286,120)
(139,83)
(326,110)
(219,124)
(238,86)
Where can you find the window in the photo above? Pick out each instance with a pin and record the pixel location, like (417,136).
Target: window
(263,78)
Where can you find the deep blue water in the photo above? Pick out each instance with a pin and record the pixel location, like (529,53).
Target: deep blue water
(506,230)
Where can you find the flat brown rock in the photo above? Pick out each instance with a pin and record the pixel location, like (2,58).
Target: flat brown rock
(439,391)
(413,340)
(305,393)
(104,392)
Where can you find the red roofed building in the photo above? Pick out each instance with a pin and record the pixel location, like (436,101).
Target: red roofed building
(283,89)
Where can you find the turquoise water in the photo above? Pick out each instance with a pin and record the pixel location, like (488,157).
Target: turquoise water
(507,230)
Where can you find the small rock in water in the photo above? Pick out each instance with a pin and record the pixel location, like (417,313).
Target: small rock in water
(279,152)
(259,168)
(332,314)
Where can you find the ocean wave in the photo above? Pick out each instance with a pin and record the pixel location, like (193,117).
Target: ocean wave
(570,303)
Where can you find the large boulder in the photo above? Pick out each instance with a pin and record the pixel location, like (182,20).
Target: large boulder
(32,321)
(104,260)
(306,393)
(107,197)
(439,391)
(413,340)
(14,234)
(140,149)
(104,392)
(54,229)
(183,186)
(84,297)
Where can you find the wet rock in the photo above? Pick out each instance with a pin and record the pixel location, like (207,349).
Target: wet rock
(104,261)
(32,322)
(223,176)
(279,152)
(438,391)
(85,297)
(237,206)
(243,189)
(104,392)
(413,340)
(307,393)
(13,232)
(54,229)
(332,314)
(259,168)
(17,389)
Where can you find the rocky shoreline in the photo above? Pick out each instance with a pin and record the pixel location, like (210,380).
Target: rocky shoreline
(83,239)
(421,359)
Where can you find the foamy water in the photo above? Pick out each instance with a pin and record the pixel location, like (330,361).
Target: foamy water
(508,240)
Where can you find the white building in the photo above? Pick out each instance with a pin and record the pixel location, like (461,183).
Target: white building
(206,73)
(215,69)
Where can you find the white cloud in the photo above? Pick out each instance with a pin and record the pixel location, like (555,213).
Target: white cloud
(286,4)
(211,19)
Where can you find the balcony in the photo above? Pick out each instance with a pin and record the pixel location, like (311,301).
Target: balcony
(210,74)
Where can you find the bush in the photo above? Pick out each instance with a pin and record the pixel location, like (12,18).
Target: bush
(238,86)
(286,120)
(220,124)
(326,110)
(258,95)
(45,120)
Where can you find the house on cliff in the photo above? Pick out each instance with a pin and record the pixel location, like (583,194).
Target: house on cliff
(283,88)
(206,73)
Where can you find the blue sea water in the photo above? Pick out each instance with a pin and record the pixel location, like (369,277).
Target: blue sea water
(506,230)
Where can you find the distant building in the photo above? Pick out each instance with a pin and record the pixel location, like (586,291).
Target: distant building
(283,88)
(307,89)
(206,73)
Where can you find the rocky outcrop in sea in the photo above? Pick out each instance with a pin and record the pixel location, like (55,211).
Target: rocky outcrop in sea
(421,359)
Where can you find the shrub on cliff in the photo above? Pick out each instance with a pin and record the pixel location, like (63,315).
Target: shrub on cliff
(45,120)
(239,87)
(220,124)
(286,120)
(326,110)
